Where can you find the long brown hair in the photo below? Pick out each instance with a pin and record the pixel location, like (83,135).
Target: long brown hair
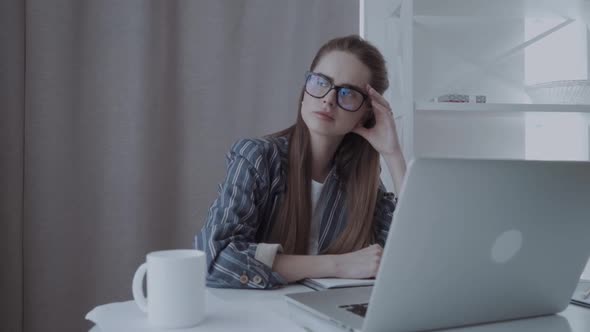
(356,162)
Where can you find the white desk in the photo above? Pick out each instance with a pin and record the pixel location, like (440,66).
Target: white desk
(267,310)
(271,304)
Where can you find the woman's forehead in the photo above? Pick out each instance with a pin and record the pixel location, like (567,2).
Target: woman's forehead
(343,68)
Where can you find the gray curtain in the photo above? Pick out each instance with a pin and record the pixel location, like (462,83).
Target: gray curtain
(12,101)
(115,119)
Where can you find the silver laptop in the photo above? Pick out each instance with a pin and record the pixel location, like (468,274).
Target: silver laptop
(472,241)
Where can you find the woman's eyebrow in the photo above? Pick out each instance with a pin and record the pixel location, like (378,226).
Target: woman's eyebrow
(347,85)
(351,86)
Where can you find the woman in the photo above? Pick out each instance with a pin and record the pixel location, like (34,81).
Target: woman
(307,202)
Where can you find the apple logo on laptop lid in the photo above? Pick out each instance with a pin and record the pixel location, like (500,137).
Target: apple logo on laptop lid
(506,246)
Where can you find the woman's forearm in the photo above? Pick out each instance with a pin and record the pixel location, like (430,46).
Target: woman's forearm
(363,263)
(296,267)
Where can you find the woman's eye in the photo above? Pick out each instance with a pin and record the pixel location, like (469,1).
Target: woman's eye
(323,83)
(344,92)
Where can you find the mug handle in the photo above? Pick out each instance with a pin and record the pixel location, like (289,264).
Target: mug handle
(138,295)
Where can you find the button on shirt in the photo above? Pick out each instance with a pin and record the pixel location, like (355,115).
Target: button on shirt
(236,234)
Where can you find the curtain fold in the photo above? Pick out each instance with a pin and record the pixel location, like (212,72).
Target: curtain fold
(12,91)
(130,109)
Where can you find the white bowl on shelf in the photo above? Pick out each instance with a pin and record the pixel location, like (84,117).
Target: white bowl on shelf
(560,92)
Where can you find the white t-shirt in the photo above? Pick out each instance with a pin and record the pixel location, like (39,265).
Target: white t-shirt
(266,252)
(314,231)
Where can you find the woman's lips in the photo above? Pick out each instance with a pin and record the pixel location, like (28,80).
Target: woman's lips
(323,116)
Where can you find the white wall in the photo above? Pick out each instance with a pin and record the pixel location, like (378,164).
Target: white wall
(469,135)
(457,58)
(557,136)
(450,58)
(561,55)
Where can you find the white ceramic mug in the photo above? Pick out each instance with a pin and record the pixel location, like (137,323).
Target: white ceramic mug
(175,287)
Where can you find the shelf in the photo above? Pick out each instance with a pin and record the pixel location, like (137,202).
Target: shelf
(478,45)
(428,20)
(500,8)
(512,108)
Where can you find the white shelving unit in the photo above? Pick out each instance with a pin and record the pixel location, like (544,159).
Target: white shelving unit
(501,107)
(413,33)
(435,47)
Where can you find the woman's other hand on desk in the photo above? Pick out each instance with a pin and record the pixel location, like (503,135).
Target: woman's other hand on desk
(359,264)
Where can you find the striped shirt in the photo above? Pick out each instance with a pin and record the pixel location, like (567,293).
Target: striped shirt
(240,219)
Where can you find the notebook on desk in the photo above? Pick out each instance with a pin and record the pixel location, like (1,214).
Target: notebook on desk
(330,283)
(581,295)
(471,242)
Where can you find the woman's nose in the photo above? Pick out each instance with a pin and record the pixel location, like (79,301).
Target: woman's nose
(330,98)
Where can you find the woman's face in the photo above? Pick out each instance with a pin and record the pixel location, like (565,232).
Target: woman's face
(323,115)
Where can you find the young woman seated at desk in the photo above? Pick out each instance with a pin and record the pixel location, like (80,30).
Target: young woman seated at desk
(307,202)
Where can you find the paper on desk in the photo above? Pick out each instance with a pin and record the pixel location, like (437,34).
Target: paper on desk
(221,316)
(580,296)
(325,283)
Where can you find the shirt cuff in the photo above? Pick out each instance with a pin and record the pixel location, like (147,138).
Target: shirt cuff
(266,252)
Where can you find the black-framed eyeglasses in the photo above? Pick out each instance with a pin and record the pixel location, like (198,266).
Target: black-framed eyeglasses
(349,98)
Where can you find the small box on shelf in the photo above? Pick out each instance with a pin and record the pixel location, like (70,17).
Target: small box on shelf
(459,98)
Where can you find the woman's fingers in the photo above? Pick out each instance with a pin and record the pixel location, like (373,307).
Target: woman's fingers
(380,107)
(377,96)
(379,102)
